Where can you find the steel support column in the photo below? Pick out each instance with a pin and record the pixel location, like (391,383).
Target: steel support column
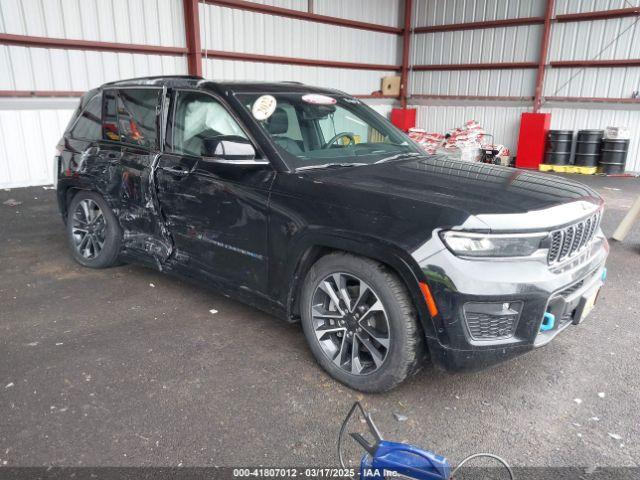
(542,61)
(192,33)
(406,45)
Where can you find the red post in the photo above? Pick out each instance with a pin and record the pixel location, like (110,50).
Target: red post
(544,48)
(192,32)
(406,43)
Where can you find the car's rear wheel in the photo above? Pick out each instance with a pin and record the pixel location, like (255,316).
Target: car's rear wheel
(360,323)
(93,230)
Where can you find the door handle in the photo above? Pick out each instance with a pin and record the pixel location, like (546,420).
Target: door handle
(176,170)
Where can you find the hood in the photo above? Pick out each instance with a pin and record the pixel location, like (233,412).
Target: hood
(475,188)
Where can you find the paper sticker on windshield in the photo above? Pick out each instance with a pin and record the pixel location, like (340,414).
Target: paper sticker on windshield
(263,107)
(318,99)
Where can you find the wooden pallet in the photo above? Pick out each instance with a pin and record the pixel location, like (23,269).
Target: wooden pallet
(568,169)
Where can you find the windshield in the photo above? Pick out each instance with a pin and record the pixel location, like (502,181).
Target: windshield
(312,130)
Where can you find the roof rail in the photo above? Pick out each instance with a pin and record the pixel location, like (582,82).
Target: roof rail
(155,77)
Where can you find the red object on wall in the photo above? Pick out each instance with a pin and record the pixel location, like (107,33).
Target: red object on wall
(404,118)
(533,136)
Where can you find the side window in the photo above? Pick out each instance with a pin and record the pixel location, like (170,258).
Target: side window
(87,126)
(131,116)
(197,117)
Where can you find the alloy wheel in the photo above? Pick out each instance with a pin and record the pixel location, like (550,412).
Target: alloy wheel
(88,227)
(350,323)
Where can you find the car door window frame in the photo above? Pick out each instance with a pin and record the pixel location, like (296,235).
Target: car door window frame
(81,111)
(160,116)
(261,158)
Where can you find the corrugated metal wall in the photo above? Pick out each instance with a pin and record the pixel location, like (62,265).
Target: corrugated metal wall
(27,141)
(162,21)
(356,82)
(505,44)
(30,128)
(242,31)
(569,41)
(601,39)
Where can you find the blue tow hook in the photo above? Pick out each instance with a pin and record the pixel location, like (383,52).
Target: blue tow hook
(548,322)
(604,274)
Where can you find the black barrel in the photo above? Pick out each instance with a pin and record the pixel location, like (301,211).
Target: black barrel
(613,158)
(588,148)
(559,143)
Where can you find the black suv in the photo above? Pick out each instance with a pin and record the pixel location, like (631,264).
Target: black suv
(306,203)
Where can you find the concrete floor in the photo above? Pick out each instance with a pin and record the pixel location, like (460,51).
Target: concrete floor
(127,366)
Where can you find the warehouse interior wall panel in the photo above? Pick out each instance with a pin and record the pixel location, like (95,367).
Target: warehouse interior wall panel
(236,30)
(352,81)
(381,12)
(592,82)
(504,44)
(615,38)
(518,83)
(31,68)
(147,22)
(444,12)
(492,45)
(27,144)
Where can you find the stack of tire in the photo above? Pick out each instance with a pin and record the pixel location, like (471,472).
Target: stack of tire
(592,149)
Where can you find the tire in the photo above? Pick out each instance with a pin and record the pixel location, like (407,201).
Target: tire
(104,236)
(395,324)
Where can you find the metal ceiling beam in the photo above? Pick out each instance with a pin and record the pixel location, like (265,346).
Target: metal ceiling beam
(596,63)
(192,36)
(599,15)
(542,60)
(507,22)
(476,66)
(39,93)
(254,57)
(634,101)
(496,98)
(70,44)
(406,46)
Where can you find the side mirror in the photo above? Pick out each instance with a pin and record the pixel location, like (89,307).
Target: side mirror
(228,147)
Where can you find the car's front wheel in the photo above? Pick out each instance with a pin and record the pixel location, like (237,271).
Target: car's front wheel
(93,231)
(360,323)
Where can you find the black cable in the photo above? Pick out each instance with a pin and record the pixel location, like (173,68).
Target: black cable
(479,455)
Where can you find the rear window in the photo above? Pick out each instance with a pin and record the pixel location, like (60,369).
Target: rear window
(87,125)
(130,116)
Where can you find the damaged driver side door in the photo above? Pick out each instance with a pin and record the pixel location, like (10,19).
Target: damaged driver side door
(213,190)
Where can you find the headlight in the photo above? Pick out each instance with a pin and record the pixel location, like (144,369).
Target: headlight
(467,244)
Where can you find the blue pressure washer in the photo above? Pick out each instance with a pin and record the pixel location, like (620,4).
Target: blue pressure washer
(392,459)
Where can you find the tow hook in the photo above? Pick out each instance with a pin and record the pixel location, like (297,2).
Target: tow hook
(548,322)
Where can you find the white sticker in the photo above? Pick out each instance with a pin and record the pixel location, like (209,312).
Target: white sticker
(318,99)
(263,107)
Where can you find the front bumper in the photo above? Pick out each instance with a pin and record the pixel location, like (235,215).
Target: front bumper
(528,288)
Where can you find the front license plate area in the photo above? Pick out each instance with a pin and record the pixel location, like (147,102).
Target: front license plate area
(587,302)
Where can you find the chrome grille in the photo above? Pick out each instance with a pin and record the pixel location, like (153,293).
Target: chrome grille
(570,241)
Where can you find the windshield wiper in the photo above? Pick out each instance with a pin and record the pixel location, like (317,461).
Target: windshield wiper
(330,165)
(400,156)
